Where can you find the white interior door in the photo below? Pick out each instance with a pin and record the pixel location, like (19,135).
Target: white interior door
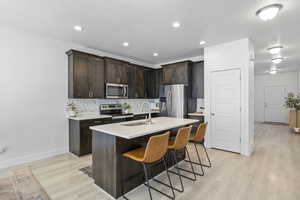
(274,101)
(226,110)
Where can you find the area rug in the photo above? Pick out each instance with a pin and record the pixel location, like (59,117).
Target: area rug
(20,184)
(87,170)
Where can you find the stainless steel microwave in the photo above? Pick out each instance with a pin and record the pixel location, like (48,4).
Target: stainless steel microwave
(116,91)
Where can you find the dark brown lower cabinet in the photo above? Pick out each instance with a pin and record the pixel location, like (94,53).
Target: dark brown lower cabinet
(80,135)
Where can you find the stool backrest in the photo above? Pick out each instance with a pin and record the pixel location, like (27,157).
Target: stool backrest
(157,147)
(200,134)
(182,137)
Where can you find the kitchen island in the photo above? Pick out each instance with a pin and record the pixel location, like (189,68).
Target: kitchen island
(114,173)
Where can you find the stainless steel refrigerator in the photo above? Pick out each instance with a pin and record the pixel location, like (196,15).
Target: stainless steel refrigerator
(175,101)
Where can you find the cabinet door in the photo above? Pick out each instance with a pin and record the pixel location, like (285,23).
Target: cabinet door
(96,77)
(139,83)
(150,84)
(85,140)
(198,80)
(131,81)
(177,73)
(116,71)
(159,92)
(81,76)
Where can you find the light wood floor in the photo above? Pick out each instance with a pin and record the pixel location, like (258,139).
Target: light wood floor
(272,173)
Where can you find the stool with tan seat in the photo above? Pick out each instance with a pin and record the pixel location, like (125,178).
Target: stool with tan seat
(154,152)
(198,139)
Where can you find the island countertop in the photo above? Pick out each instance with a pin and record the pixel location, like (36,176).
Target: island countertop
(129,132)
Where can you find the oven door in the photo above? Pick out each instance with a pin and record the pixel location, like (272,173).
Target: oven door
(114,91)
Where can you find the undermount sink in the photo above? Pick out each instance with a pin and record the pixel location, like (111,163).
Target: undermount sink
(136,124)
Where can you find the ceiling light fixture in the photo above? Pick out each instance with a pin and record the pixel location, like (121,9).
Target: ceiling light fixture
(269,12)
(277,60)
(176,24)
(125,44)
(202,42)
(273,72)
(155,54)
(275,49)
(78,28)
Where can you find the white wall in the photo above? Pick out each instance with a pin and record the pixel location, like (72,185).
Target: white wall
(289,79)
(33,88)
(234,55)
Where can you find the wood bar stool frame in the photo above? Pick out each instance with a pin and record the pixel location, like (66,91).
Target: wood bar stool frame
(154,152)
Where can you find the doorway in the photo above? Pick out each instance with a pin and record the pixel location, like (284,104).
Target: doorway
(274,110)
(226,110)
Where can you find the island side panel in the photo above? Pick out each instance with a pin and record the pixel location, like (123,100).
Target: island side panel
(104,162)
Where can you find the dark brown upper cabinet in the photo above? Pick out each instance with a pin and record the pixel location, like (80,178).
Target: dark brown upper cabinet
(198,80)
(116,71)
(139,82)
(177,73)
(153,83)
(86,75)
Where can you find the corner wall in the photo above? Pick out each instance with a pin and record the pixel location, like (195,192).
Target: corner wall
(234,55)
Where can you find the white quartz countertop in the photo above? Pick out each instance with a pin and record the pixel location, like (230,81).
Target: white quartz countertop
(91,115)
(129,132)
(196,114)
(95,115)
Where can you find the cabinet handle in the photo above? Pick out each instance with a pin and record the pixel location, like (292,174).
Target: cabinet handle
(97,122)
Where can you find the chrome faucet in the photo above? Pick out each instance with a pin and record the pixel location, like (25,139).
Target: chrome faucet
(148,120)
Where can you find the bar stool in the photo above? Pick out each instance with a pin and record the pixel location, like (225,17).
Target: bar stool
(198,138)
(155,151)
(179,143)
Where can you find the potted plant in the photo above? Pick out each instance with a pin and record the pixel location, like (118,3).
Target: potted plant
(126,107)
(71,109)
(292,101)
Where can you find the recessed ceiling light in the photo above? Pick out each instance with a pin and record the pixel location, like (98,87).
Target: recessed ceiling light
(269,12)
(273,72)
(275,49)
(277,60)
(202,42)
(78,28)
(176,24)
(273,68)
(125,44)
(155,54)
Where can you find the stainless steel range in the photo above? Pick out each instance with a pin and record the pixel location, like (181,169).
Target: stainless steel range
(116,111)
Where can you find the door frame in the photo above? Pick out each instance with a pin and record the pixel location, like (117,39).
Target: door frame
(210,109)
(265,86)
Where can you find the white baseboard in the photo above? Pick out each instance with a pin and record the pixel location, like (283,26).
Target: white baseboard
(29,158)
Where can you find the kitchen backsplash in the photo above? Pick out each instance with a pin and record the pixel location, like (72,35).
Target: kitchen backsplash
(92,105)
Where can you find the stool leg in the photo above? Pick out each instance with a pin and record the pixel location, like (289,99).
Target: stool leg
(170,182)
(193,172)
(178,171)
(206,157)
(147,180)
(199,159)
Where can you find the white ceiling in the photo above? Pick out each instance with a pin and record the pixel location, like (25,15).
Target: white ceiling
(147,26)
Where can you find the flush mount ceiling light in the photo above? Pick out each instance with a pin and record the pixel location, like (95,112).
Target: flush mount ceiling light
(269,12)
(155,54)
(202,42)
(125,44)
(275,49)
(273,72)
(176,24)
(78,28)
(277,60)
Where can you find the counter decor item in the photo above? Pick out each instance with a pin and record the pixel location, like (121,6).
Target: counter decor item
(71,109)
(126,107)
(292,102)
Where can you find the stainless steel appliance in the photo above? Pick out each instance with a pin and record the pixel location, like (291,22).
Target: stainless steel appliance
(116,91)
(116,111)
(175,101)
